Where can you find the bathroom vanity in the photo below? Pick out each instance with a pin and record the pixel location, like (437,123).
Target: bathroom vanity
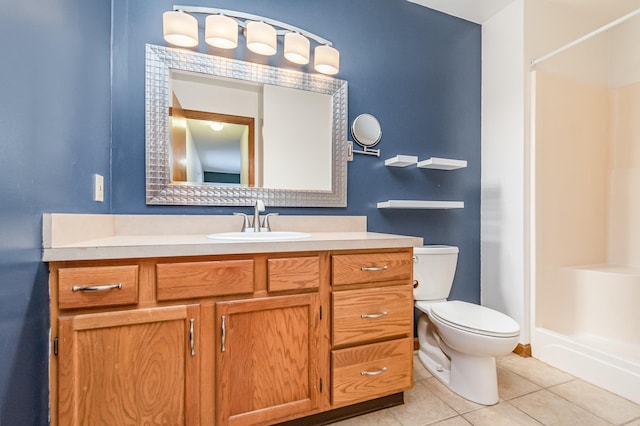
(182,329)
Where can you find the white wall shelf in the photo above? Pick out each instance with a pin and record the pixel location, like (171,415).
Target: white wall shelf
(442,164)
(420,204)
(401,161)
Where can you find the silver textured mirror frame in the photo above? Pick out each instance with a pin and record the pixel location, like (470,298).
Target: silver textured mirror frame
(159,188)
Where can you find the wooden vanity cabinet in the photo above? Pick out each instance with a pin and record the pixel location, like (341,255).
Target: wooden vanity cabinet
(372,325)
(129,367)
(268,349)
(252,339)
(267,360)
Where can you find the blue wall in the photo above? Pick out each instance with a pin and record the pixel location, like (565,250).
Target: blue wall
(416,70)
(55,113)
(63,119)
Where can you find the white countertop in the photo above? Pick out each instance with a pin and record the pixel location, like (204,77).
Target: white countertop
(122,241)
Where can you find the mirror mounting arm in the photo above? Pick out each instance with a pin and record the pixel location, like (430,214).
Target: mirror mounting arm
(366,131)
(368,151)
(365,150)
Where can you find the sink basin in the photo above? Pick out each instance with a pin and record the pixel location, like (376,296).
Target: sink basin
(259,236)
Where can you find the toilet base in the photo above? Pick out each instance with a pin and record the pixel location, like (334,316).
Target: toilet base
(472,377)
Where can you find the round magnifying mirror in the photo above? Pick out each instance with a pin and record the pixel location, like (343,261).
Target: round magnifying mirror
(366,130)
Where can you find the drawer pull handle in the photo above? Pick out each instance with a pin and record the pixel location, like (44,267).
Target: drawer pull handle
(192,337)
(381,314)
(96,287)
(224,335)
(373,268)
(373,373)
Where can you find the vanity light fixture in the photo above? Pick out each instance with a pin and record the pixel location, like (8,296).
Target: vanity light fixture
(296,48)
(326,60)
(180,28)
(221,31)
(262,38)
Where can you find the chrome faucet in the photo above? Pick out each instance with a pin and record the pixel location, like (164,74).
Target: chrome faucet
(258,207)
(255,226)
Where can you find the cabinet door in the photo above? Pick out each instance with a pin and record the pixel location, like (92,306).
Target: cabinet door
(267,363)
(129,367)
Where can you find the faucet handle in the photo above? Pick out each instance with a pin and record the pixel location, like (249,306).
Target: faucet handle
(265,222)
(245,224)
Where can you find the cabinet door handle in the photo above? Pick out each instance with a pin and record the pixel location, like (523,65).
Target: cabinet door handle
(373,268)
(192,337)
(381,314)
(96,287)
(224,334)
(373,373)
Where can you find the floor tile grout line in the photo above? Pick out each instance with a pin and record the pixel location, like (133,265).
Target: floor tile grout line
(597,387)
(584,407)
(538,384)
(509,401)
(526,414)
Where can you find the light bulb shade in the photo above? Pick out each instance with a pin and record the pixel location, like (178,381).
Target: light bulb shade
(326,60)
(296,48)
(221,31)
(180,29)
(261,38)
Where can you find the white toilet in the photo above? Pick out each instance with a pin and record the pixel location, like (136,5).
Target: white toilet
(458,340)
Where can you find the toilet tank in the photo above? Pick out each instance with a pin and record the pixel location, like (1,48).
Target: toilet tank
(434,268)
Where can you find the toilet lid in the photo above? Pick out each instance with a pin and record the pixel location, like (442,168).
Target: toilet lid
(475,318)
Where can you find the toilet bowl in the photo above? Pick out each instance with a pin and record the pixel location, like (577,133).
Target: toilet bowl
(458,340)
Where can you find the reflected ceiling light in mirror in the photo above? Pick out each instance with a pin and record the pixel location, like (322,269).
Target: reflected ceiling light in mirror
(326,60)
(216,126)
(262,38)
(296,48)
(221,30)
(180,29)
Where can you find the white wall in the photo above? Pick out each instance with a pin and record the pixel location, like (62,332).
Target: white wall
(524,30)
(624,56)
(624,185)
(309,159)
(195,173)
(503,276)
(216,95)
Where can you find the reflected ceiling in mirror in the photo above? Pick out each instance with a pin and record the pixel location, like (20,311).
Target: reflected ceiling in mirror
(163,187)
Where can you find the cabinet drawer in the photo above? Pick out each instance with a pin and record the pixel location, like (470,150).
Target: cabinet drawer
(371,371)
(97,286)
(372,314)
(204,279)
(293,273)
(370,267)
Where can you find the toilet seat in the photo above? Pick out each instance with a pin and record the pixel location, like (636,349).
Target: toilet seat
(475,319)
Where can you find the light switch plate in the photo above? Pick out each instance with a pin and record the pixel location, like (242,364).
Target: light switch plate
(98,188)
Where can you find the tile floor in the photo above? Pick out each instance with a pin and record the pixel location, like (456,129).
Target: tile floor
(531,393)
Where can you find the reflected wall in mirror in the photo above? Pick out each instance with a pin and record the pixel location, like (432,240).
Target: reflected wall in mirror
(289,146)
(211,148)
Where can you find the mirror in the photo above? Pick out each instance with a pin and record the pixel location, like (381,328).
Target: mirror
(211,148)
(290,148)
(366,131)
